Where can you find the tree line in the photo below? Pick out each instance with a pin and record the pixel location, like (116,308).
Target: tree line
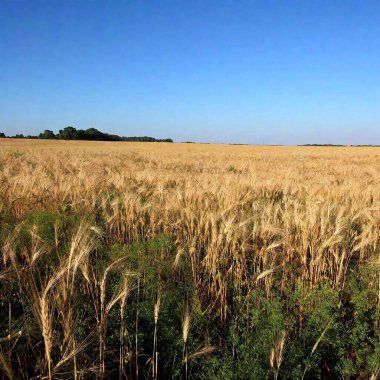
(90,134)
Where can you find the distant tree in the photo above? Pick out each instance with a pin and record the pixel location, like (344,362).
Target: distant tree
(2,135)
(68,133)
(165,140)
(80,134)
(94,134)
(47,134)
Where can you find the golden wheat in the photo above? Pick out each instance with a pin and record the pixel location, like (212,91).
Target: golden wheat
(238,214)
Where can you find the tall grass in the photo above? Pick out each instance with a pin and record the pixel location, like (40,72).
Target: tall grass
(150,261)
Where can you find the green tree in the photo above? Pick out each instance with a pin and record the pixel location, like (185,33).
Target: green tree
(47,134)
(68,133)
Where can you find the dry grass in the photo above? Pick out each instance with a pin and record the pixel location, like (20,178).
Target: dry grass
(224,205)
(238,214)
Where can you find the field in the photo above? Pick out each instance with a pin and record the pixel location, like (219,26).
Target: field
(188,261)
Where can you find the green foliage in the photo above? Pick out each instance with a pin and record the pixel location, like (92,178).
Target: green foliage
(47,134)
(90,134)
(328,333)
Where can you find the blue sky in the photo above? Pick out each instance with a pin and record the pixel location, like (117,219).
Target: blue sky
(260,72)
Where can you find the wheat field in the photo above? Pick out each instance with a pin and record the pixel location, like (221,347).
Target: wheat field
(160,260)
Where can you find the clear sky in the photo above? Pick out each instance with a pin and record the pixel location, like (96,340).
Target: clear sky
(260,72)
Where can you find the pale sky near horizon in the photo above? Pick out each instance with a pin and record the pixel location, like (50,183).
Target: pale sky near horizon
(259,72)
